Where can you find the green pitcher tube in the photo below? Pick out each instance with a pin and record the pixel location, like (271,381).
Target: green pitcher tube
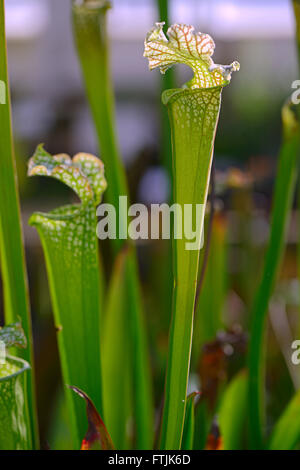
(14,417)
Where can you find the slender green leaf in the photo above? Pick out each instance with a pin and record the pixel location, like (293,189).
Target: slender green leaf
(59,434)
(193,113)
(203,420)
(11,241)
(208,315)
(116,357)
(286,433)
(68,236)
(97,437)
(142,389)
(282,202)
(90,33)
(167,82)
(233,412)
(189,423)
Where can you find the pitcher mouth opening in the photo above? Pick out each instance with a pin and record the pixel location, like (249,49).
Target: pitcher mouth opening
(18,367)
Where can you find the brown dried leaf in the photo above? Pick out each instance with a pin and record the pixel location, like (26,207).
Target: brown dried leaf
(97,436)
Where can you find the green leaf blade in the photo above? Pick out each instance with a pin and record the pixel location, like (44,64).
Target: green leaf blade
(282,203)
(233,412)
(117,373)
(14,275)
(189,423)
(286,433)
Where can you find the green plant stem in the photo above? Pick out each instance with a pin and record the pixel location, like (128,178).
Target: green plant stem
(296,5)
(163,9)
(167,83)
(193,116)
(14,274)
(90,32)
(282,203)
(91,38)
